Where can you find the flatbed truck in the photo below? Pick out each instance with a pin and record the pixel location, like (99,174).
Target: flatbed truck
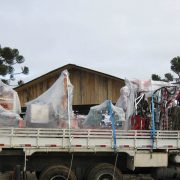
(92,154)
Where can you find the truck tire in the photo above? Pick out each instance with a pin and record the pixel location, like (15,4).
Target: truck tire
(104,171)
(58,172)
(165,173)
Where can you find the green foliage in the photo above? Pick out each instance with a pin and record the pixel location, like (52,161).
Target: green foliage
(175,65)
(155,77)
(8,58)
(25,70)
(169,77)
(20,82)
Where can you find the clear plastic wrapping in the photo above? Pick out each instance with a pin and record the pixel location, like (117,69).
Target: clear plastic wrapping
(99,117)
(126,100)
(135,100)
(122,102)
(10,119)
(9,107)
(149,86)
(53,109)
(9,99)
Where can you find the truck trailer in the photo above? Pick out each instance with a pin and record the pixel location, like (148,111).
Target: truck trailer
(89,153)
(137,134)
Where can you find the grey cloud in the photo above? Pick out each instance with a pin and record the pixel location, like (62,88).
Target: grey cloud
(122,38)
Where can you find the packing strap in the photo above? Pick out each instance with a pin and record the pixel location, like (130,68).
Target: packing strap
(113,122)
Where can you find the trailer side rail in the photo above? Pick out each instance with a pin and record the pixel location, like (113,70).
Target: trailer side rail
(87,139)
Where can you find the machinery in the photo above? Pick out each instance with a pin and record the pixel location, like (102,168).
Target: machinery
(138,133)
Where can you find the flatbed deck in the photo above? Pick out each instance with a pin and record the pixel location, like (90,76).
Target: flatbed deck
(87,140)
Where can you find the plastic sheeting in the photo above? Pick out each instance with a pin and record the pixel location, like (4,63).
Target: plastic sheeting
(126,100)
(99,117)
(9,98)
(134,98)
(149,86)
(10,119)
(53,109)
(123,99)
(9,107)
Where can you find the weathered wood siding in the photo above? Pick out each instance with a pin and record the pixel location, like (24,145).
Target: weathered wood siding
(89,88)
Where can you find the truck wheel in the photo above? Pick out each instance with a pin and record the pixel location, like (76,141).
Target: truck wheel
(57,173)
(164,173)
(104,171)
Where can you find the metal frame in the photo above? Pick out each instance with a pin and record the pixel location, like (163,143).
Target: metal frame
(86,140)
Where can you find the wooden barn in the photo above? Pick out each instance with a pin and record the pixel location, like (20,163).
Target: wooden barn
(90,87)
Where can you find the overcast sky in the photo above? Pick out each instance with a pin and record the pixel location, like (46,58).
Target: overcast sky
(125,38)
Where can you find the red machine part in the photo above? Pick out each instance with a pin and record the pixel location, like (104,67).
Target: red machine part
(138,123)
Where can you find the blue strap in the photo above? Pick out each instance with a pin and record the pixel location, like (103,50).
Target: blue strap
(113,122)
(153,121)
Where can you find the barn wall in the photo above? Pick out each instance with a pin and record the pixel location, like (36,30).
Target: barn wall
(89,88)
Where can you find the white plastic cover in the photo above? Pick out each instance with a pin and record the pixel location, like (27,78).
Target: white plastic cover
(98,116)
(10,119)
(10,107)
(54,107)
(9,98)
(149,86)
(133,91)
(123,99)
(126,100)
